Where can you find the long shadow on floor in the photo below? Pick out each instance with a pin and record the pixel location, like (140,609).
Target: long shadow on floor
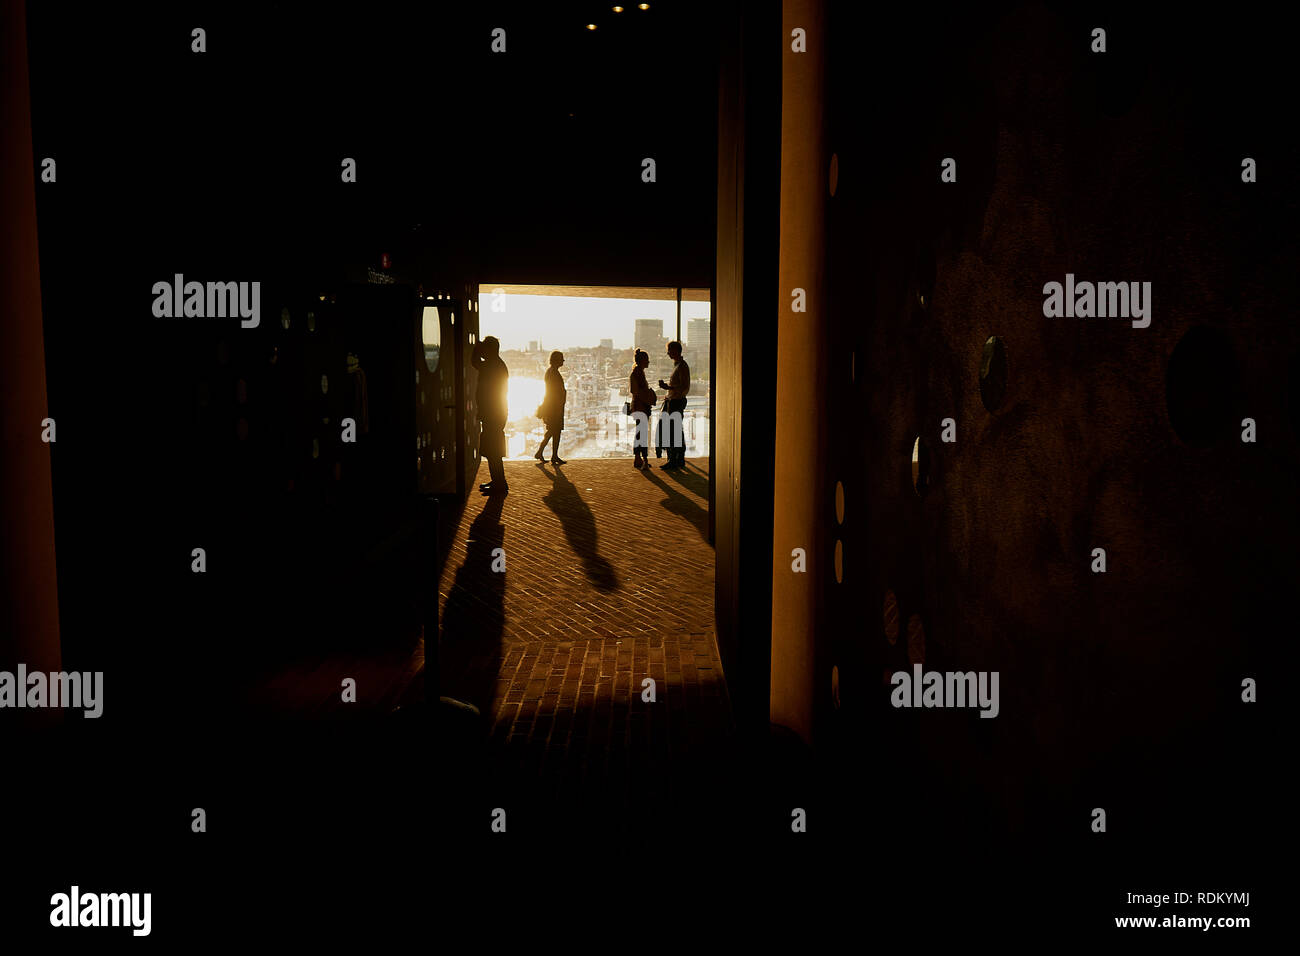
(451,508)
(579,528)
(473,618)
(680,504)
(694,481)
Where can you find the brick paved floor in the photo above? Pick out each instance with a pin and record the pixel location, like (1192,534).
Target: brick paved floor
(608,580)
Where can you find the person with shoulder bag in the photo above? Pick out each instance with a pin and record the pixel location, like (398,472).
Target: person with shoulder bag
(551,411)
(639,408)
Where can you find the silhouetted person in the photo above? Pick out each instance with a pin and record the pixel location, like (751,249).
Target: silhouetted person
(490,394)
(643,403)
(551,410)
(678,385)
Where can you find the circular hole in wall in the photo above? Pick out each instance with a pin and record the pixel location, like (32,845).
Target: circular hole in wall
(922,466)
(889,616)
(835,686)
(431,335)
(993,373)
(1201,387)
(839,562)
(834,172)
(839,502)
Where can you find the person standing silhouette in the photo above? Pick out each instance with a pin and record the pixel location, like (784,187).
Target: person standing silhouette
(643,402)
(552,410)
(491,396)
(679,386)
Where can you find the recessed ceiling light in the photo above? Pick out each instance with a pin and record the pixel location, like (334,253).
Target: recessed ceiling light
(618,9)
(643,6)
(591,26)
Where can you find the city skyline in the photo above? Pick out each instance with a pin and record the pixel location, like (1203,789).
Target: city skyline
(560,322)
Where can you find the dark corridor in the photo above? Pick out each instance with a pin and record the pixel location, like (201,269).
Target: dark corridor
(1003,383)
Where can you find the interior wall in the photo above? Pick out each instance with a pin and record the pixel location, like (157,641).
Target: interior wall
(447,421)
(800,372)
(307,537)
(29,612)
(744,352)
(1118,687)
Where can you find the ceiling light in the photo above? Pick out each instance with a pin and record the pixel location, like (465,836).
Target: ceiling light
(618,9)
(591,26)
(643,6)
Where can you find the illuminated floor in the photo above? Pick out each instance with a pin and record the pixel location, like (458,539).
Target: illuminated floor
(607,581)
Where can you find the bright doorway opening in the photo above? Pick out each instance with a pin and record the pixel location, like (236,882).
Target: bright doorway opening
(598,329)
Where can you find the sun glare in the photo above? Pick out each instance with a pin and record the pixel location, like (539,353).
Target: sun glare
(524,395)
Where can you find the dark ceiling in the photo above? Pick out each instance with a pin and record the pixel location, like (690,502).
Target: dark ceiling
(525,165)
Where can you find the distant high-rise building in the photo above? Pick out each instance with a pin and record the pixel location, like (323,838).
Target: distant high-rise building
(697,347)
(607,344)
(532,345)
(650,336)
